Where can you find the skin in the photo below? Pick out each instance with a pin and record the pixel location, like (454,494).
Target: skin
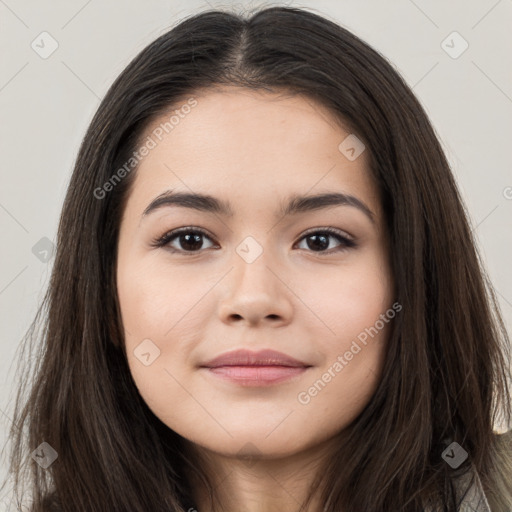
(254,149)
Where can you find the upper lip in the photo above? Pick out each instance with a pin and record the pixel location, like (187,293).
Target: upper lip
(248,358)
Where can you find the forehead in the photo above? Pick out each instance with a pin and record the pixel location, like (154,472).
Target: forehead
(221,111)
(242,143)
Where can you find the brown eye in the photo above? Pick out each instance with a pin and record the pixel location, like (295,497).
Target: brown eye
(191,240)
(187,239)
(319,241)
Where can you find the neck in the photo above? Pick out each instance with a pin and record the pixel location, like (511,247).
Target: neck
(256,482)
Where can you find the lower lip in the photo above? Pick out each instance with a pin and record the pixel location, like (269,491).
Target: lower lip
(257,375)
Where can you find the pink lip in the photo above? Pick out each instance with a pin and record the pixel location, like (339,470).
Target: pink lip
(248,358)
(257,375)
(262,368)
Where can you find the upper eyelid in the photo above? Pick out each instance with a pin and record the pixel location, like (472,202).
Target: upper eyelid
(331,231)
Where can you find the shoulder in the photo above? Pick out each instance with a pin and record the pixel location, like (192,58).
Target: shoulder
(469,488)
(470,492)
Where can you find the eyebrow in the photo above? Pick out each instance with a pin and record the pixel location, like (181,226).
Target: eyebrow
(296,204)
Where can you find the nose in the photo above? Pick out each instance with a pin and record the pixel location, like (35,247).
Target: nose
(256,293)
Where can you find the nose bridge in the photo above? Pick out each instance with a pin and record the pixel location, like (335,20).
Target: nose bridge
(252,261)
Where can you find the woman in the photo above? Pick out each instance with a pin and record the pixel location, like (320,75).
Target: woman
(266,293)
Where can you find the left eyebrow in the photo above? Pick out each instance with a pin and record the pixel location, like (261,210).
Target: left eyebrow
(296,204)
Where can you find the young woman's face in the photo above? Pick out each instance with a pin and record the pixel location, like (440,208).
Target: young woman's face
(255,277)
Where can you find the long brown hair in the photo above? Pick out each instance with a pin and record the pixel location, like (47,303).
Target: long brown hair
(447,363)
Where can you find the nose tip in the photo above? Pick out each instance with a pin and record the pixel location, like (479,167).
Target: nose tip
(254,293)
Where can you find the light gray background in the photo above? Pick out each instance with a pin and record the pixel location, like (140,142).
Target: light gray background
(46,105)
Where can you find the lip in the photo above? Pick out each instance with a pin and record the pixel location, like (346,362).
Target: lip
(262,358)
(255,369)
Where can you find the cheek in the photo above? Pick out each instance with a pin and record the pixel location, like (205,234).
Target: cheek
(162,312)
(355,314)
(348,301)
(156,300)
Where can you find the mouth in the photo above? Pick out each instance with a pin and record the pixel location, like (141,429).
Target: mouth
(255,369)
(257,375)
(244,357)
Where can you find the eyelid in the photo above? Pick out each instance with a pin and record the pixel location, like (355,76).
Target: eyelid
(347,241)
(165,238)
(343,236)
(330,230)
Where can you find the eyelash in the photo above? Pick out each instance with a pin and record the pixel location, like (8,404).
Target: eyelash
(347,243)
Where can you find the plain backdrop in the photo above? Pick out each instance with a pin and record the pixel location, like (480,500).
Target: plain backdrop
(47,102)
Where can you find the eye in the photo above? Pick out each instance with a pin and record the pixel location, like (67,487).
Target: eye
(190,240)
(318,240)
